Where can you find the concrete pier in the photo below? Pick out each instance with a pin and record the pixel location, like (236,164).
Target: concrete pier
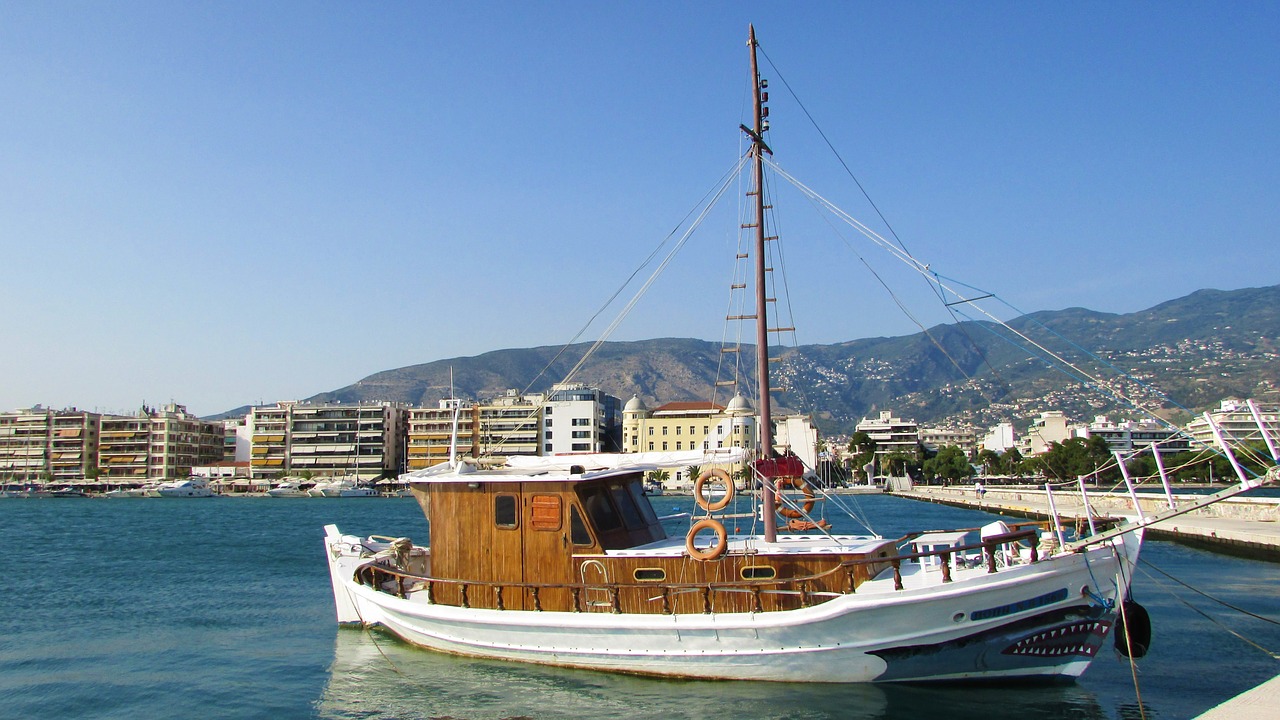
(1247,527)
(1260,703)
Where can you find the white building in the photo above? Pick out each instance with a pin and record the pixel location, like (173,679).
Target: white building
(796,434)
(579,419)
(939,437)
(1051,427)
(1130,436)
(1000,438)
(1235,420)
(891,435)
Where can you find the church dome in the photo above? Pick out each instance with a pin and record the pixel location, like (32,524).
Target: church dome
(737,405)
(635,404)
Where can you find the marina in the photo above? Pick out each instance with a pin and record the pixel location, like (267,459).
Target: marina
(543,550)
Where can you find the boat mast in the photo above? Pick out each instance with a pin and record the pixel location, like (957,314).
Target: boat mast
(758,149)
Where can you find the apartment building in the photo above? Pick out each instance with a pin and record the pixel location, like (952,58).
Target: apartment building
(431,433)
(510,425)
(358,440)
(237,440)
(933,438)
(890,434)
(1050,427)
(580,419)
(1236,421)
(156,445)
(1137,436)
(44,445)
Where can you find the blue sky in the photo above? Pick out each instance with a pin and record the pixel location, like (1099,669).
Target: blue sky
(226,203)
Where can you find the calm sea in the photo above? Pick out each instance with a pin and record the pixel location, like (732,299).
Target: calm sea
(221,608)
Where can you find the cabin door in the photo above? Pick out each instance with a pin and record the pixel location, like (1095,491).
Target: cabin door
(548,554)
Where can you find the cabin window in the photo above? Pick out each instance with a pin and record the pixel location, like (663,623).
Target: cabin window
(504,511)
(577,529)
(596,502)
(650,574)
(545,513)
(630,513)
(642,502)
(758,572)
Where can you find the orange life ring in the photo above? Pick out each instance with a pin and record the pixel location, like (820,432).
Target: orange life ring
(795,482)
(713,552)
(705,502)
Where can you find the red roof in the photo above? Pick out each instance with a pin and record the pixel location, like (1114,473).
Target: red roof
(689,406)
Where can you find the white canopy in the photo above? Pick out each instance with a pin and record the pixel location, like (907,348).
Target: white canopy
(561,464)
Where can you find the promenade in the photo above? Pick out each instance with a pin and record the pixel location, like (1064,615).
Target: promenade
(1244,526)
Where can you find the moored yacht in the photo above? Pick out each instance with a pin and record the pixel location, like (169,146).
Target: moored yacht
(193,487)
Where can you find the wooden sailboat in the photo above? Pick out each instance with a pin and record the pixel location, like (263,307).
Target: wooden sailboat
(563,561)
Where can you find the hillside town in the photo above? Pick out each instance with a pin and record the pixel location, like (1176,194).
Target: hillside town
(371,443)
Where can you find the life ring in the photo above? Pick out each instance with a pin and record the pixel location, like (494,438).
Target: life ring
(710,553)
(804,487)
(705,502)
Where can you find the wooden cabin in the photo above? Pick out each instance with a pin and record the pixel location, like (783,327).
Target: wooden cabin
(592,542)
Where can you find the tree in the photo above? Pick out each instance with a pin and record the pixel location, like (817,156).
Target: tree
(949,463)
(990,462)
(863,449)
(659,475)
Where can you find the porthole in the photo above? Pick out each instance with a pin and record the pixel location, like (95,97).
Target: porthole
(758,572)
(650,574)
(958,617)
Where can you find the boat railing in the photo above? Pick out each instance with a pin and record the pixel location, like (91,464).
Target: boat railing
(809,590)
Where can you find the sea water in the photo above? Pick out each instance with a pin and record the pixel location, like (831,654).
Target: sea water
(221,608)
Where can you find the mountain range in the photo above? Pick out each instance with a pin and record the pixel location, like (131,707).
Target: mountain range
(1181,356)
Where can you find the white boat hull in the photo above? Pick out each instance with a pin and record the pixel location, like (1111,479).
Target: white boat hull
(1038,620)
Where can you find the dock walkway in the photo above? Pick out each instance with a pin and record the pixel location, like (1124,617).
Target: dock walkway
(1248,527)
(1260,703)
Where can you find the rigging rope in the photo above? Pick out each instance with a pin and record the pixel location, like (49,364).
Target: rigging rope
(1206,616)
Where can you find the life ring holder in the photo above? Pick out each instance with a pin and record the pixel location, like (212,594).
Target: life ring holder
(801,484)
(705,502)
(710,553)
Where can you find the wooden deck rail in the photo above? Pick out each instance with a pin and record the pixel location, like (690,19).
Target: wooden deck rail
(375,575)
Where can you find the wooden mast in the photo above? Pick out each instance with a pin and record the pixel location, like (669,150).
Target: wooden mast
(758,148)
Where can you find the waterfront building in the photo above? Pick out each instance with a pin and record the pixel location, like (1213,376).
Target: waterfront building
(1235,420)
(1050,427)
(682,426)
(1130,436)
(1000,438)
(579,419)
(357,440)
(510,425)
(431,431)
(891,435)
(44,445)
(156,445)
(933,438)
(237,440)
(797,434)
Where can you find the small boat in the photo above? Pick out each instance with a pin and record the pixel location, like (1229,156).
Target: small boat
(342,488)
(290,489)
(66,492)
(563,561)
(652,487)
(190,488)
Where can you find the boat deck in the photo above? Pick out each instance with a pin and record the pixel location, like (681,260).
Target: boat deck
(785,544)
